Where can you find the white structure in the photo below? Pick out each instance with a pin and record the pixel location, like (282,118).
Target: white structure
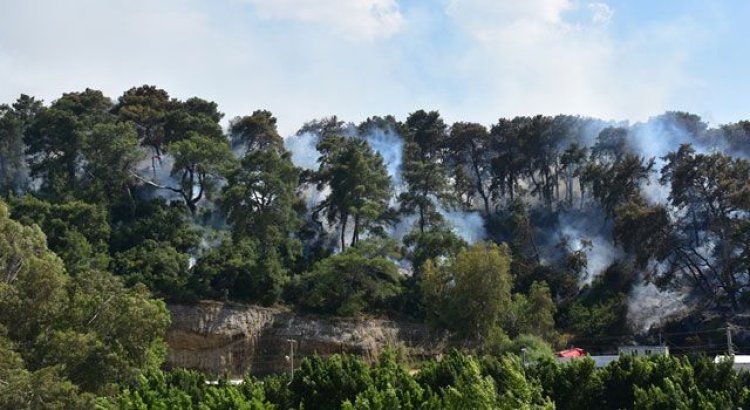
(643,350)
(604,360)
(740,362)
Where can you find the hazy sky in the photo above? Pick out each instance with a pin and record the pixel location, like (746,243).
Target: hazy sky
(473,60)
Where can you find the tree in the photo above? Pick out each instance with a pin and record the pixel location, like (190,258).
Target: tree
(56,137)
(611,145)
(256,132)
(469,145)
(146,108)
(260,200)
(111,155)
(509,162)
(53,144)
(424,172)
(616,183)
(198,165)
(157,265)
(194,115)
(532,314)
(90,329)
(571,162)
(14,122)
(710,195)
(237,270)
(470,293)
(359,279)
(435,243)
(157,220)
(359,183)
(78,232)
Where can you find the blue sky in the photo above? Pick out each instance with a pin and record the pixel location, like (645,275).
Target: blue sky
(474,60)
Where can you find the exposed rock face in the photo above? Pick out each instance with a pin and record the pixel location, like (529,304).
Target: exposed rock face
(219,338)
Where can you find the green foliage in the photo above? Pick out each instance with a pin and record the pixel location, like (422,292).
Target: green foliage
(437,242)
(76,231)
(359,183)
(157,265)
(256,132)
(424,173)
(85,332)
(456,381)
(259,201)
(199,161)
(325,384)
(155,220)
(351,282)
(111,154)
(470,293)
(238,271)
(13,122)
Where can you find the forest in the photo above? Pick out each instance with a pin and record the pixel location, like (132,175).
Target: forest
(555,230)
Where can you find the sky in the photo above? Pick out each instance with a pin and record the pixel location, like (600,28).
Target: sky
(473,60)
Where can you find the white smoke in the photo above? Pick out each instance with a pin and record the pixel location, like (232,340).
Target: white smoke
(390,146)
(599,256)
(648,306)
(157,169)
(302,147)
(467,225)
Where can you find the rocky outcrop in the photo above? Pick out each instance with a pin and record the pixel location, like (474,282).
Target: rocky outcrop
(219,338)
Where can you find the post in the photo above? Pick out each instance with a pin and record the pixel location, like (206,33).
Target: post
(291,356)
(730,347)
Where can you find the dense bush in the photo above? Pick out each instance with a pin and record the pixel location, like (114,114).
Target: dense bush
(457,381)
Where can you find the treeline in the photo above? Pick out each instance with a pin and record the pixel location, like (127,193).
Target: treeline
(575,212)
(457,382)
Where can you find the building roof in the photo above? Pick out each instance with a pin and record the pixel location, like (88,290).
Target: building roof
(572,352)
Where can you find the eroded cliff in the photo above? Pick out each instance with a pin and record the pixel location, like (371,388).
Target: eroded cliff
(219,338)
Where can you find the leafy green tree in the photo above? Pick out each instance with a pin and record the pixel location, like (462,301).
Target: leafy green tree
(437,242)
(351,282)
(194,115)
(470,293)
(256,132)
(199,162)
(146,108)
(326,384)
(14,121)
(56,137)
(237,270)
(53,144)
(78,232)
(469,146)
(156,220)
(41,389)
(613,184)
(359,184)
(532,314)
(111,154)
(424,171)
(157,265)
(260,201)
(90,329)
(107,333)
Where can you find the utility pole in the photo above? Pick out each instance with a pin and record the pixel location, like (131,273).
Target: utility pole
(730,346)
(290,358)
